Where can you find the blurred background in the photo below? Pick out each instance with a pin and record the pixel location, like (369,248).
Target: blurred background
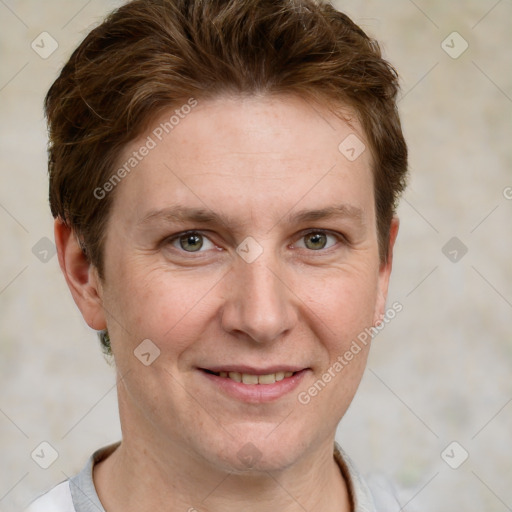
(434,410)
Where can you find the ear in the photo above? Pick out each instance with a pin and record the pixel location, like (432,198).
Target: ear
(385,272)
(81,276)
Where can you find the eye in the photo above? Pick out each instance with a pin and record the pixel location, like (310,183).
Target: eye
(191,241)
(318,240)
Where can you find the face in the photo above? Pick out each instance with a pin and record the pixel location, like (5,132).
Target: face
(244,247)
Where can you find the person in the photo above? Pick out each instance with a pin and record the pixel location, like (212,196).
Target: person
(224,177)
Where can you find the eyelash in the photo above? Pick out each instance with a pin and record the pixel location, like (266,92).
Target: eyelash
(338,236)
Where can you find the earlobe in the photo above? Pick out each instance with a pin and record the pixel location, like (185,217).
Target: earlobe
(81,276)
(385,272)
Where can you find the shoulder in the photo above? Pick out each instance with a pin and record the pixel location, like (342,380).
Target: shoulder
(57,499)
(372,494)
(77,493)
(383,492)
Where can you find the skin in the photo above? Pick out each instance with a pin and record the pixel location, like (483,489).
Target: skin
(254,161)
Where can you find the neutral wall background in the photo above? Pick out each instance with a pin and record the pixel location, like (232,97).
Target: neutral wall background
(439,372)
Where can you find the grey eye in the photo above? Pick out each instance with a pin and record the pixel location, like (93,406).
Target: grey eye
(192,242)
(317,240)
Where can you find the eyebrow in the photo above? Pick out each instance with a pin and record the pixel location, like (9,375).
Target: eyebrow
(181,213)
(341,211)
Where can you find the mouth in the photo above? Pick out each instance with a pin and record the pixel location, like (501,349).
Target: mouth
(254,385)
(253,378)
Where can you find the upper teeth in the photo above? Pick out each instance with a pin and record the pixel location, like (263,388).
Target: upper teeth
(247,378)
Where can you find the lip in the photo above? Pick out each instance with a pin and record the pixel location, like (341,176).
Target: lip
(253,370)
(254,393)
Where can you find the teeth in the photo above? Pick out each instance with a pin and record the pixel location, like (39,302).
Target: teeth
(267,379)
(237,377)
(247,378)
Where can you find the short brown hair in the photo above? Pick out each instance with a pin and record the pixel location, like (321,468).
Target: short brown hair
(149,55)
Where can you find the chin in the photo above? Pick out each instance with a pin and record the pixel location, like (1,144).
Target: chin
(259,449)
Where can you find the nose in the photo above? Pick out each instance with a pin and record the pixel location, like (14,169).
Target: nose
(259,303)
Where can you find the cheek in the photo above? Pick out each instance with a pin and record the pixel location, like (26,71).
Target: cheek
(169,308)
(344,314)
(344,302)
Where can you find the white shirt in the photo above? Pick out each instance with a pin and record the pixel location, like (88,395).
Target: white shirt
(78,494)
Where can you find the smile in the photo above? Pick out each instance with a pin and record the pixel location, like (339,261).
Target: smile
(250,378)
(255,385)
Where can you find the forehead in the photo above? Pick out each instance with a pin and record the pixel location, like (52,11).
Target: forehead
(260,154)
